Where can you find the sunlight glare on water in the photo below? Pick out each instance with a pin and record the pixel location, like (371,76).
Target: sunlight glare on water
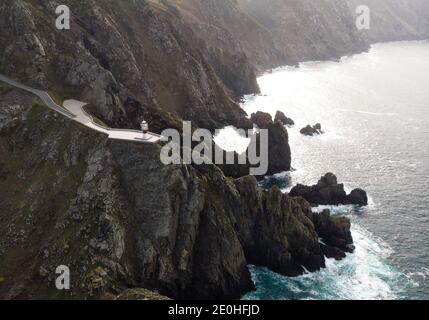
(374,108)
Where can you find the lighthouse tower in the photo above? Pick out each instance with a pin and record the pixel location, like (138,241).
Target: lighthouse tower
(145,129)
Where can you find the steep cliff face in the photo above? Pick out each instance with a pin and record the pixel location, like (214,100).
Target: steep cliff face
(231,33)
(110,210)
(318,30)
(128,59)
(170,60)
(218,26)
(306,30)
(120,219)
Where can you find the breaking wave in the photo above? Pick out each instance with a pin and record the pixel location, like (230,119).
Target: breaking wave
(364,275)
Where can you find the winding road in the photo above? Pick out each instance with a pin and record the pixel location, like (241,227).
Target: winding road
(74,110)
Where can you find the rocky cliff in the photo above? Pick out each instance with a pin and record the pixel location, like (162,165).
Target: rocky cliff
(128,59)
(111,211)
(304,30)
(169,60)
(120,219)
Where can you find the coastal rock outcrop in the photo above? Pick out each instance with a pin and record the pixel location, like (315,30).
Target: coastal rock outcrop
(280,116)
(126,225)
(334,233)
(329,192)
(275,231)
(279,153)
(357,197)
(282,233)
(312,130)
(121,220)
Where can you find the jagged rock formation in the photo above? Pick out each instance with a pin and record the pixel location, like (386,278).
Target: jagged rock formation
(120,219)
(279,153)
(278,231)
(109,210)
(334,234)
(329,192)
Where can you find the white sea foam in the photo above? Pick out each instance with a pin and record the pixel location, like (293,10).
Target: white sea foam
(362,275)
(377,101)
(420,275)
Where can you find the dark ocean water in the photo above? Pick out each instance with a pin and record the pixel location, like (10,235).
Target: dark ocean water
(374,108)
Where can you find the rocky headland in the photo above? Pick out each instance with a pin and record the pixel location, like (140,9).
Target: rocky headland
(125,224)
(121,220)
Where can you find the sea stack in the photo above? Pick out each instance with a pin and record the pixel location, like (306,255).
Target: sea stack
(279,153)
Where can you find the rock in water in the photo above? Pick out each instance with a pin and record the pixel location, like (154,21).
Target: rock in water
(312,130)
(334,233)
(280,116)
(279,153)
(329,192)
(358,196)
(282,233)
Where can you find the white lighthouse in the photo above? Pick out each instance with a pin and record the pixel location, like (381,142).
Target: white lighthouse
(145,129)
